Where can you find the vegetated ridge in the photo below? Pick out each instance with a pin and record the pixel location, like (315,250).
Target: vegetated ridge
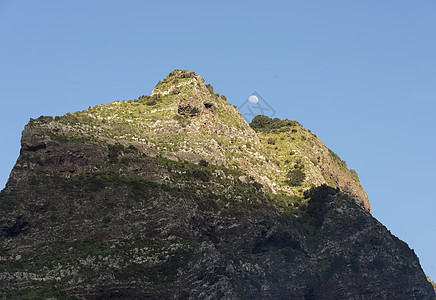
(175,195)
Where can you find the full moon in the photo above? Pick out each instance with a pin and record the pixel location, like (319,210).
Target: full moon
(253,99)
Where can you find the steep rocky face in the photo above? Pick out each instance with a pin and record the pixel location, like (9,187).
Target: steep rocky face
(184,120)
(174,195)
(294,148)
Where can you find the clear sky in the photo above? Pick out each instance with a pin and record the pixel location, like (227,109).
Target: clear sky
(359,74)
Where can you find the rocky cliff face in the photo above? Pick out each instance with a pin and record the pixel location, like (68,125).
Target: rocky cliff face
(174,195)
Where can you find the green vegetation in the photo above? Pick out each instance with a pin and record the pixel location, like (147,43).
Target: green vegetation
(203,175)
(343,166)
(182,74)
(204,185)
(87,258)
(173,79)
(151,102)
(150,120)
(144,119)
(40,120)
(182,120)
(288,145)
(295,177)
(265,124)
(337,159)
(210,88)
(318,198)
(289,206)
(127,188)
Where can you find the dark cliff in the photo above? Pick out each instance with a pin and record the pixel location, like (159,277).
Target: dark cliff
(174,195)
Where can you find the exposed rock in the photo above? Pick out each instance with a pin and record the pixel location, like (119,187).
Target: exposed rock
(184,200)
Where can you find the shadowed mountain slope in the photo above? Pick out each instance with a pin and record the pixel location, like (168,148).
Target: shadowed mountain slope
(174,195)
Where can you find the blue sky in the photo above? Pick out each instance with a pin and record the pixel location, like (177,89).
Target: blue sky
(359,74)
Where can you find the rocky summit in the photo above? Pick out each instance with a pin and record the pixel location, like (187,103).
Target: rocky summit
(175,196)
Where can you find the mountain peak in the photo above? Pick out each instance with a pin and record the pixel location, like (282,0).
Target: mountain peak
(184,119)
(175,80)
(175,195)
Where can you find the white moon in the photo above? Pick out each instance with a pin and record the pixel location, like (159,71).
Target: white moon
(253,99)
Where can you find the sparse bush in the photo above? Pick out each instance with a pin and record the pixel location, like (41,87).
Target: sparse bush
(299,166)
(271,141)
(295,177)
(187,75)
(203,175)
(336,158)
(223,97)
(114,151)
(210,88)
(203,163)
(182,120)
(132,148)
(258,186)
(151,102)
(209,106)
(182,74)
(41,120)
